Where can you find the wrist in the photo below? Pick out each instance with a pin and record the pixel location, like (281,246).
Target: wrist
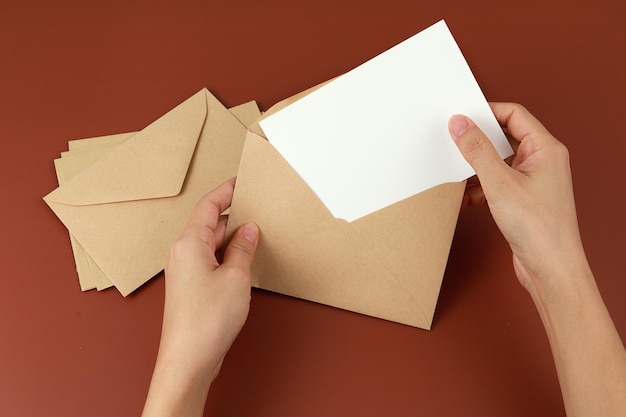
(567,290)
(180,383)
(556,270)
(185,360)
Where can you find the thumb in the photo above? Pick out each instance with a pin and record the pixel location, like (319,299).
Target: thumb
(476,148)
(241,248)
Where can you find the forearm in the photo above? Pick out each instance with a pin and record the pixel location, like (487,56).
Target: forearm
(178,387)
(589,356)
(206,305)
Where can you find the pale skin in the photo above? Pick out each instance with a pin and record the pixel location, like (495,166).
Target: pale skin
(532,202)
(206,305)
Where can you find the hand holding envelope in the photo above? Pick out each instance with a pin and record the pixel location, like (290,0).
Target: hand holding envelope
(358,190)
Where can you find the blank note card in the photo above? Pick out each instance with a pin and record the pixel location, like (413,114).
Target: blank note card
(379,133)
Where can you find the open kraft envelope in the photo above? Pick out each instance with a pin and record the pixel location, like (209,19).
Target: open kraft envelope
(388,264)
(127,208)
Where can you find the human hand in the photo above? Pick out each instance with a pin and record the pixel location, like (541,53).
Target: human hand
(206,305)
(531,201)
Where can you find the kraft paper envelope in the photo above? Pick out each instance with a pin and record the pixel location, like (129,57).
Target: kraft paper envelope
(127,208)
(388,264)
(89,275)
(83,153)
(247,113)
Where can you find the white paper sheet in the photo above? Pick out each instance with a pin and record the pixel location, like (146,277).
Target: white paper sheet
(379,133)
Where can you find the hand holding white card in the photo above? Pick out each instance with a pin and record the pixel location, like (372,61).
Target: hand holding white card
(379,133)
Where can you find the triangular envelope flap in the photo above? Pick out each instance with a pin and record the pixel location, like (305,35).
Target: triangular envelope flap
(414,236)
(292,203)
(130,240)
(151,164)
(331,264)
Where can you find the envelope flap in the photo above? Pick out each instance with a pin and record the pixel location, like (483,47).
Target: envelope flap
(289,203)
(331,264)
(151,164)
(427,225)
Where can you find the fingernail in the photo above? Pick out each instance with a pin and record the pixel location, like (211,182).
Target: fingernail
(250,232)
(458,124)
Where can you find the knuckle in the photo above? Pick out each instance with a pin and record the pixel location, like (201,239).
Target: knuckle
(180,246)
(561,151)
(237,271)
(474,144)
(241,247)
(561,154)
(189,241)
(518,107)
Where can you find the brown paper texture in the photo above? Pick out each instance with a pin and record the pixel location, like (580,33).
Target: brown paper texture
(132,193)
(389,264)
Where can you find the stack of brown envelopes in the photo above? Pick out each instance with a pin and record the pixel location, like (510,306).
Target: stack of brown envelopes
(125,198)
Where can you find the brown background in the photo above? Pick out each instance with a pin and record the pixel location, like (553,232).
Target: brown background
(72,69)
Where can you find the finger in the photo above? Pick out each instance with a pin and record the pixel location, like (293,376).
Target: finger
(220,231)
(475,196)
(518,121)
(207,212)
(241,249)
(477,149)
